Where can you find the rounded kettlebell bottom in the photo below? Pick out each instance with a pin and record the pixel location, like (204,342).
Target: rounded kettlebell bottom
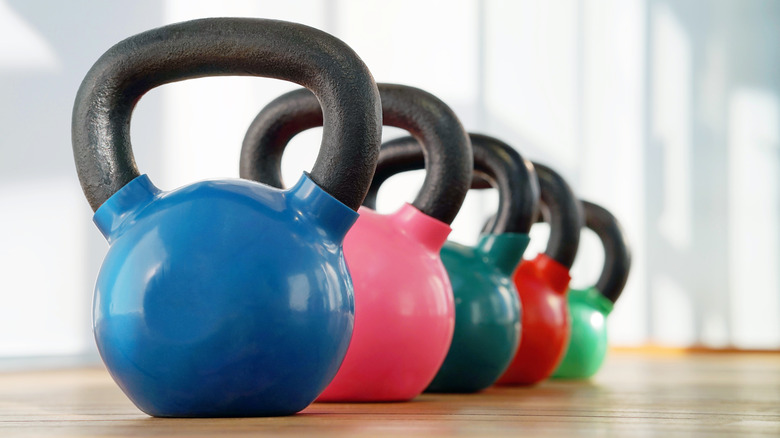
(487,312)
(211,303)
(542,284)
(404,311)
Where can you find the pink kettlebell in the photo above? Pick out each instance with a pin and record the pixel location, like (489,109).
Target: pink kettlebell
(404,310)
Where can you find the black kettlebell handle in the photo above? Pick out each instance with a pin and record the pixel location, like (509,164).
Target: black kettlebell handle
(495,162)
(617,254)
(228,46)
(558,207)
(448,157)
(563,211)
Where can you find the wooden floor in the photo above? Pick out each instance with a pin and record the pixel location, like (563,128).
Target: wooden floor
(730,395)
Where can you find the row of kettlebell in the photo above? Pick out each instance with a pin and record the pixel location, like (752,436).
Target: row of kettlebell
(565,338)
(240,298)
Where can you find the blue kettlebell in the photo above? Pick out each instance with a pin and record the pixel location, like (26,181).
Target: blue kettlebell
(225,298)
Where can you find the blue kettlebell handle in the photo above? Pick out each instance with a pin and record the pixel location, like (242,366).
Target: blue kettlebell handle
(219,47)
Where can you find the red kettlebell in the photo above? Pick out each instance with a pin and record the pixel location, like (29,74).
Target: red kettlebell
(404,309)
(542,284)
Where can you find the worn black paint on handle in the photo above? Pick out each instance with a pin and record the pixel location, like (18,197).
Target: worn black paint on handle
(495,162)
(448,155)
(563,211)
(228,46)
(617,254)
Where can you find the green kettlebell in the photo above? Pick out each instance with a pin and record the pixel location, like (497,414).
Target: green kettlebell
(487,308)
(590,307)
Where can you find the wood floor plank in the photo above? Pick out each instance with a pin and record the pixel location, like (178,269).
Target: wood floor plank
(698,394)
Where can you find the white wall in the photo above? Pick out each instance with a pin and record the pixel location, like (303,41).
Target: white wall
(666,112)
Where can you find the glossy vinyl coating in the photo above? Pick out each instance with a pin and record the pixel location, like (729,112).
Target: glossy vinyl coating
(588,310)
(223,298)
(541,284)
(487,322)
(404,311)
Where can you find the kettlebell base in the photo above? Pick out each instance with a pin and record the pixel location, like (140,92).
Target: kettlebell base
(366,400)
(193,322)
(259,414)
(588,309)
(455,389)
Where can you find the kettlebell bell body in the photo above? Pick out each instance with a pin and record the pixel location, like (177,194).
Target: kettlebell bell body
(487,308)
(405,295)
(404,311)
(193,318)
(588,311)
(224,298)
(542,284)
